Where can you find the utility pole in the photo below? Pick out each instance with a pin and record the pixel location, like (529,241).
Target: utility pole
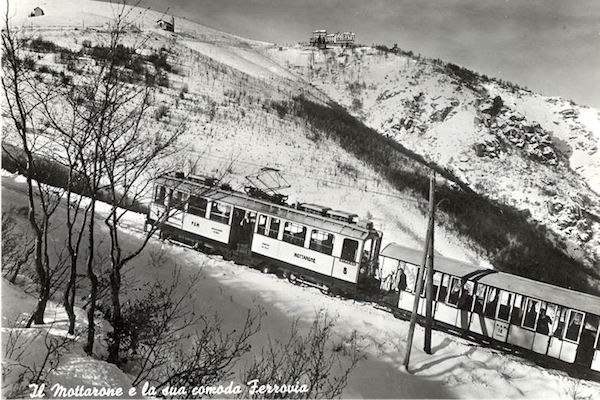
(429,280)
(426,249)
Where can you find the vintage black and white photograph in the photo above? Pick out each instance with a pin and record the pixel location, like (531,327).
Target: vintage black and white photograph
(273,199)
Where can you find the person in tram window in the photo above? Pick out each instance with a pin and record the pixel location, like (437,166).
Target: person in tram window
(401,280)
(530,315)
(454,292)
(492,302)
(574,327)
(544,323)
(478,308)
(465,299)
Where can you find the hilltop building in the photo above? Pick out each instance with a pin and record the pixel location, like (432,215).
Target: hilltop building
(166,25)
(36,12)
(320,38)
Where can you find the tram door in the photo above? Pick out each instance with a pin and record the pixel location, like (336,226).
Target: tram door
(587,341)
(242,228)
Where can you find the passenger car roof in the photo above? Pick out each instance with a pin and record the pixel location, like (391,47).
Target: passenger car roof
(502,280)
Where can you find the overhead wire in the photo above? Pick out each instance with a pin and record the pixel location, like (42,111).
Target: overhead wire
(302,174)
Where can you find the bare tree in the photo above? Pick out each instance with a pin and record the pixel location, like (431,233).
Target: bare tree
(22,107)
(130,153)
(16,245)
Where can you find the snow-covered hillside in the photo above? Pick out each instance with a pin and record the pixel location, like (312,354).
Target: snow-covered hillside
(229,90)
(457,368)
(538,154)
(223,88)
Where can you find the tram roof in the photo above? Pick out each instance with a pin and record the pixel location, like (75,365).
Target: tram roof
(502,280)
(242,200)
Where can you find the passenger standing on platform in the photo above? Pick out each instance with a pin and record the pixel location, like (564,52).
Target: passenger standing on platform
(401,280)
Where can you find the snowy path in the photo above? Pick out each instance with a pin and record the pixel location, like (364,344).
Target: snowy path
(456,369)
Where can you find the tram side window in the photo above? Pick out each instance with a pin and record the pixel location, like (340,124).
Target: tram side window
(198,206)
(262,225)
(574,325)
(274,228)
(491,303)
(220,212)
(531,313)
(479,299)
(517,313)
(321,242)
(160,195)
(179,200)
(294,234)
(506,299)
(349,248)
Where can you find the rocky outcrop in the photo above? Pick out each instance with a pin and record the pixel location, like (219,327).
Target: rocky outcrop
(508,126)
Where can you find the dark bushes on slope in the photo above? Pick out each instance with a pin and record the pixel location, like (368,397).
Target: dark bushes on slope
(512,243)
(56,174)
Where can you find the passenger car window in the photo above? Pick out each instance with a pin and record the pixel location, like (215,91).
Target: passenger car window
(531,313)
(506,299)
(220,212)
(349,248)
(517,314)
(545,318)
(454,291)
(294,234)
(262,225)
(321,242)
(491,303)
(198,206)
(574,325)
(160,194)
(559,325)
(443,289)
(479,299)
(274,228)
(179,200)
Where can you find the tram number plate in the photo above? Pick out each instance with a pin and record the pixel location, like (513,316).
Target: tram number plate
(500,330)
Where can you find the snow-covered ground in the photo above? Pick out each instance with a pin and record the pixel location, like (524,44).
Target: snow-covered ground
(229,126)
(457,369)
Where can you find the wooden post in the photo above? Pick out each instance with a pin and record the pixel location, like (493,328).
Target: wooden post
(413,317)
(429,279)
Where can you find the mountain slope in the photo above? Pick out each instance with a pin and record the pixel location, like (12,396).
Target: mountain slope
(240,100)
(533,153)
